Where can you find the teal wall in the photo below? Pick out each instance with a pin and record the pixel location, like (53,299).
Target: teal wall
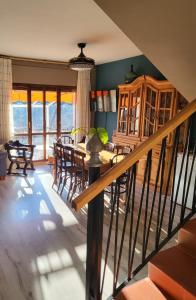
(109,75)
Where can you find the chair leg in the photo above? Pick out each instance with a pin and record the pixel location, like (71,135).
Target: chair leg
(70,188)
(25,169)
(55,180)
(60,181)
(73,191)
(32,166)
(64,183)
(10,168)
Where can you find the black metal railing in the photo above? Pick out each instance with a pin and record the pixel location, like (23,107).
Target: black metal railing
(143,219)
(138,213)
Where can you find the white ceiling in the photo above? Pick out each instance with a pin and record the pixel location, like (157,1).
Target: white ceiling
(165,33)
(48,29)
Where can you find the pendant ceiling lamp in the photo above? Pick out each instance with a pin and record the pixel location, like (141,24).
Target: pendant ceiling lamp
(81,62)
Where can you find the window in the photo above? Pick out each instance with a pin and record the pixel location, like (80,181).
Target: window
(41,114)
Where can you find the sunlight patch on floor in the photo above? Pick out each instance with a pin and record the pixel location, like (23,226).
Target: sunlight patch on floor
(56,201)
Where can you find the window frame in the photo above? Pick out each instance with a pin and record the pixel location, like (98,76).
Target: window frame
(44,88)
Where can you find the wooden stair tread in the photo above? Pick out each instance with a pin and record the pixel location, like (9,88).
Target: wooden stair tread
(142,290)
(187,237)
(174,271)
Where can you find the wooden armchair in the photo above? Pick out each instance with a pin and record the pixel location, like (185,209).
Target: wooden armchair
(21,155)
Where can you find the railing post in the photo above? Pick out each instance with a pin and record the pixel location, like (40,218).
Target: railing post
(94,228)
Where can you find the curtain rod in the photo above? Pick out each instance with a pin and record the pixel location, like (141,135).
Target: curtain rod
(45,61)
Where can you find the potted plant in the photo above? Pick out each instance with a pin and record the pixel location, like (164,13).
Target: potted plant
(97,138)
(100,132)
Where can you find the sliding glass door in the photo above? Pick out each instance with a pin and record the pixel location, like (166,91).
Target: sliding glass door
(41,114)
(51,119)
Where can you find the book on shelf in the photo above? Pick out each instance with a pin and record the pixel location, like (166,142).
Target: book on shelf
(99,96)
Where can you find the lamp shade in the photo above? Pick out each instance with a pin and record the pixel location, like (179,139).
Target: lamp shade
(81,62)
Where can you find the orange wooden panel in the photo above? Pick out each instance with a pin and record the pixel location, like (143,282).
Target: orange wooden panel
(142,290)
(174,272)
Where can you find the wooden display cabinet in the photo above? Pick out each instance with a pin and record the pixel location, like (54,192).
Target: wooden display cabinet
(144,106)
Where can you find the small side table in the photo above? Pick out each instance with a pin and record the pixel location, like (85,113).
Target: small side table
(3,164)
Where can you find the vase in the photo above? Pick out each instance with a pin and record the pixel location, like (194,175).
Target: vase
(94,146)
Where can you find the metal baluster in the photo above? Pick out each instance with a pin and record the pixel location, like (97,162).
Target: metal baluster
(172,206)
(194,198)
(176,138)
(160,164)
(131,221)
(124,224)
(180,175)
(140,211)
(160,198)
(113,201)
(146,206)
(186,171)
(189,181)
(116,235)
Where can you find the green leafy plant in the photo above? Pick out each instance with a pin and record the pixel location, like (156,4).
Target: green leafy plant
(101,132)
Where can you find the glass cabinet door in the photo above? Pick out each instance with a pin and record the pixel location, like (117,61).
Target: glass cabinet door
(150,111)
(123,112)
(164,107)
(134,112)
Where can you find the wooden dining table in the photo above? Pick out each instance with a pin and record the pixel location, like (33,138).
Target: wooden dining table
(105,157)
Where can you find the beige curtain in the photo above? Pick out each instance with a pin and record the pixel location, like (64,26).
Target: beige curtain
(5,97)
(82,103)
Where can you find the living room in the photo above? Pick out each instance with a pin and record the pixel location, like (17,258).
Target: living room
(46,111)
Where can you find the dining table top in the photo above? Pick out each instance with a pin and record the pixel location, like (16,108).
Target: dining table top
(105,156)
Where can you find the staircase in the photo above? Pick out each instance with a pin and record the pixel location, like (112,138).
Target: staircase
(150,216)
(171,273)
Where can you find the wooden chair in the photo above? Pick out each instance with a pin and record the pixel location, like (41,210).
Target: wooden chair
(21,155)
(68,158)
(123,149)
(59,165)
(120,185)
(80,174)
(110,147)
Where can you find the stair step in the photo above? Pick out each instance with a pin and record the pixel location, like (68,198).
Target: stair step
(174,272)
(142,290)
(187,237)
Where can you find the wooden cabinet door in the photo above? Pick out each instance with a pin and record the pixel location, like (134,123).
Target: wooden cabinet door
(123,106)
(134,114)
(150,111)
(164,107)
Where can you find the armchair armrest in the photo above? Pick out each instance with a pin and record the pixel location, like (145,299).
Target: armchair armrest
(18,148)
(29,146)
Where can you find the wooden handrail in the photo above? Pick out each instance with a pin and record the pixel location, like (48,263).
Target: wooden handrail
(94,189)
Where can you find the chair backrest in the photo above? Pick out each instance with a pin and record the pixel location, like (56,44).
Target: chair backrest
(110,146)
(117,158)
(124,178)
(79,160)
(66,139)
(68,155)
(122,149)
(58,152)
